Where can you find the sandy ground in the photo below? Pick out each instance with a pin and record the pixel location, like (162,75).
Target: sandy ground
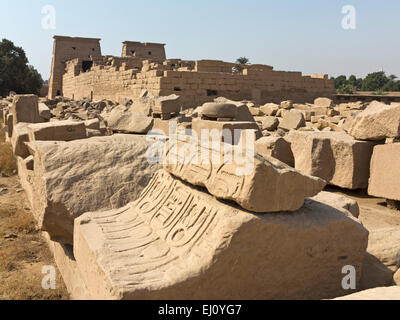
(373,211)
(23,251)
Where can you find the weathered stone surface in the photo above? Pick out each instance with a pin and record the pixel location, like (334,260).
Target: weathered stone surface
(275,147)
(57,131)
(123,120)
(25,109)
(375,274)
(384,244)
(71,178)
(168,104)
(270,109)
(269,123)
(323,102)
(385,172)
(227,131)
(288,104)
(255,182)
(333,156)
(338,201)
(44,111)
(93,124)
(66,264)
(384,293)
(292,120)
(176,242)
(18,139)
(377,122)
(219,110)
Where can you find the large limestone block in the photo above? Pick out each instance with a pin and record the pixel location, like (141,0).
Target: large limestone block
(383,293)
(219,110)
(176,242)
(25,109)
(168,104)
(225,131)
(333,156)
(385,172)
(375,274)
(64,257)
(292,120)
(269,123)
(255,182)
(324,102)
(275,147)
(377,122)
(71,178)
(57,131)
(384,244)
(18,139)
(338,201)
(270,109)
(44,111)
(123,120)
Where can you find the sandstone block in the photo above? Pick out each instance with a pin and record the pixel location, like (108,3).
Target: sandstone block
(333,156)
(269,123)
(219,110)
(254,182)
(18,139)
(275,147)
(44,111)
(338,201)
(385,172)
(123,120)
(287,104)
(270,109)
(166,105)
(292,120)
(71,178)
(57,131)
(176,242)
(224,131)
(25,109)
(377,122)
(324,102)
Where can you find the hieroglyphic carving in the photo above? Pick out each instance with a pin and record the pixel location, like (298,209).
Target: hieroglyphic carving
(154,231)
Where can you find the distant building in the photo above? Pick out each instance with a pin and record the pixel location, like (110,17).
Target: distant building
(80,70)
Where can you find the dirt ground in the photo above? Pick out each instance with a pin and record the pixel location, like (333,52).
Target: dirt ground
(23,251)
(373,211)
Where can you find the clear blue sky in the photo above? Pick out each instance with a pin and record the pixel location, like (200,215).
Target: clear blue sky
(288,34)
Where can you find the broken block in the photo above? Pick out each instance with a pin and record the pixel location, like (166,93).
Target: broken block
(74,177)
(333,156)
(57,131)
(179,243)
(256,183)
(25,109)
(385,172)
(377,122)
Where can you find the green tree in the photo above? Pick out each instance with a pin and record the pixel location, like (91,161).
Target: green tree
(15,72)
(375,81)
(340,82)
(242,61)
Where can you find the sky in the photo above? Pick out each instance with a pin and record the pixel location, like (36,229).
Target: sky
(290,35)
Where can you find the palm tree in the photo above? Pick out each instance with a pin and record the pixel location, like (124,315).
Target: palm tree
(242,61)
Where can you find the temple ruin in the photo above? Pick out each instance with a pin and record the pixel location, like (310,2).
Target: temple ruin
(79,70)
